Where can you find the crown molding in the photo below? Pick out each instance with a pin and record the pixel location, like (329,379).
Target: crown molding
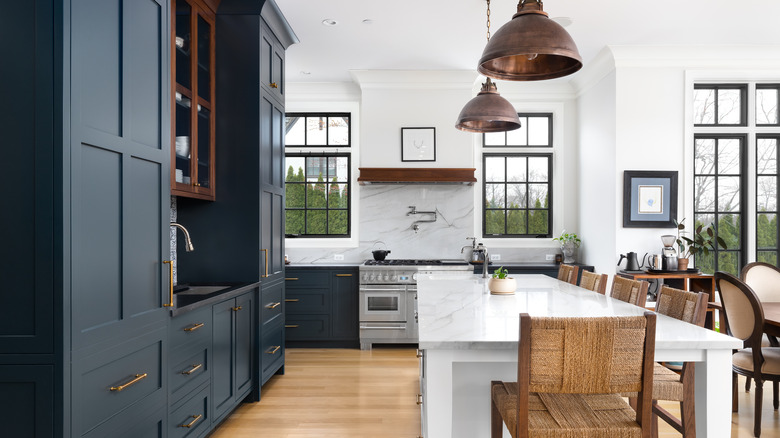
(414,79)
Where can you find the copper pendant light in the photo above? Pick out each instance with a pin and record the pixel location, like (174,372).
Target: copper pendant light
(488,111)
(531,47)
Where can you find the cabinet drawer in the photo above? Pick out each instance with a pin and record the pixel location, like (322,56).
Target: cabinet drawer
(191,419)
(145,420)
(192,328)
(271,349)
(107,388)
(306,327)
(306,278)
(307,301)
(187,371)
(271,304)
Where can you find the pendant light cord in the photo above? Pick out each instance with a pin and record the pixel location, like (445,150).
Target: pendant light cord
(488,20)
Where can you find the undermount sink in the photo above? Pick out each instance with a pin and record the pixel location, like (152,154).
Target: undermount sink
(189,294)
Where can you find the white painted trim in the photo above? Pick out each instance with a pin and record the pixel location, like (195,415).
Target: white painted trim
(354,109)
(414,79)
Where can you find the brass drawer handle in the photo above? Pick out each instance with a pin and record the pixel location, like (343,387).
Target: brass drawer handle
(138,378)
(343,275)
(170,283)
(237,308)
(275,349)
(192,370)
(291,278)
(194,327)
(272,305)
(291,300)
(291,325)
(419,399)
(419,353)
(273,85)
(196,418)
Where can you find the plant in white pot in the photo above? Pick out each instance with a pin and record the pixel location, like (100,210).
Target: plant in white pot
(500,283)
(569,242)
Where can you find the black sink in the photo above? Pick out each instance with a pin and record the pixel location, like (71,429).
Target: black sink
(192,293)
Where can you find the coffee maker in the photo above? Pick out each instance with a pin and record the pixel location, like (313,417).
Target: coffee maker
(668,253)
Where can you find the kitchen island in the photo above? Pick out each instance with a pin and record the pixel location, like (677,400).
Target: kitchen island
(469,337)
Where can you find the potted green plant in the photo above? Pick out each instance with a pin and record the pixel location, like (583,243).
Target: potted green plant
(569,242)
(699,243)
(501,283)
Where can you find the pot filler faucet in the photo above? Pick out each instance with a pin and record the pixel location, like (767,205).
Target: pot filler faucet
(187,241)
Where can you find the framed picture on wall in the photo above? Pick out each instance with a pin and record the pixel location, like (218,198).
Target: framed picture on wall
(418,144)
(649,199)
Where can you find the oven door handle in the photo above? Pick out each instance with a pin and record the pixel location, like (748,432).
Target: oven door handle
(385,290)
(383,327)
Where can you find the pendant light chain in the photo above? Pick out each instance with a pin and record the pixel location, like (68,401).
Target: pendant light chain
(488,20)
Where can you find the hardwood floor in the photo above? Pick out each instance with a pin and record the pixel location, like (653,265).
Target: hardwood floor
(352,393)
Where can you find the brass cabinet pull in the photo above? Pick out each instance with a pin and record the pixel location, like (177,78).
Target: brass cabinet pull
(291,300)
(291,279)
(192,370)
(170,282)
(291,326)
(419,399)
(275,349)
(273,85)
(419,353)
(237,308)
(272,305)
(136,379)
(194,327)
(197,184)
(343,275)
(195,419)
(266,263)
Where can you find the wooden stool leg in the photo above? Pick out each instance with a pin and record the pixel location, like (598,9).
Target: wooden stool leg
(496,422)
(757,408)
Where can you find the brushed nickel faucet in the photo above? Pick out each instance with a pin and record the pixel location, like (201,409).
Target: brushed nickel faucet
(187,241)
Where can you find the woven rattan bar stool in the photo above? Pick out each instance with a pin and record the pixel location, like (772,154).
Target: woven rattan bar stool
(568,273)
(594,282)
(570,372)
(668,385)
(631,291)
(745,320)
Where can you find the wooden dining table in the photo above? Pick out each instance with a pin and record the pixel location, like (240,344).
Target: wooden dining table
(771,318)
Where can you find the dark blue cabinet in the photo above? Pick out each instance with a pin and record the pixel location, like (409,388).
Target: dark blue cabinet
(233,341)
(86,147)
(322,307)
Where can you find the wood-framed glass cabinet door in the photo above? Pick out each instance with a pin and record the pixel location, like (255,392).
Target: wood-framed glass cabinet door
(192,154)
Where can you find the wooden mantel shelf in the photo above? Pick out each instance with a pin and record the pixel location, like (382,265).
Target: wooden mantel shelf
(416,175)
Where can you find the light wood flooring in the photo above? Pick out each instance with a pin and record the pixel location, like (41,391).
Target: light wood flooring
(351,393)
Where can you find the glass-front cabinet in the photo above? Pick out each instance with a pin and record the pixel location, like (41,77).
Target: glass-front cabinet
(192,156)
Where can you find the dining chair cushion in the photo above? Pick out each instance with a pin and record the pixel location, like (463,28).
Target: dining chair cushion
(569,415)
(744,359)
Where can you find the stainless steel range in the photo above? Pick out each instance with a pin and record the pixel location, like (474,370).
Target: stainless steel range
(388,298)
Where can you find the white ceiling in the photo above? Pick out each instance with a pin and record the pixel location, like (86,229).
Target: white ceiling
(450,34)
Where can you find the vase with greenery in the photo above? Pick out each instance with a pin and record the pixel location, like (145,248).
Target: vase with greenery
(501,283)
(699,243)
(569,242)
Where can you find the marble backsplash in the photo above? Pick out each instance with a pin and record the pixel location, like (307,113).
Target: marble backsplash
(385,223)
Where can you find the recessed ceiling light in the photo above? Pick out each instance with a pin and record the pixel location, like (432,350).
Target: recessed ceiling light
(563,21)
(368,21)
(329,22)
(305,73)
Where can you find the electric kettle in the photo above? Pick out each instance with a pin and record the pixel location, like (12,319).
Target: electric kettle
(632,264)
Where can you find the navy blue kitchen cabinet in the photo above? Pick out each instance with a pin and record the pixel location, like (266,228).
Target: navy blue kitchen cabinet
(86,141)
(232,372)
(322,307)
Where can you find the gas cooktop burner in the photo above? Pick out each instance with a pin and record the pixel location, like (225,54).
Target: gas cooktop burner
(403,262)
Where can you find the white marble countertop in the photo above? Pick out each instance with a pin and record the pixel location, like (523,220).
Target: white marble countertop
(460,313)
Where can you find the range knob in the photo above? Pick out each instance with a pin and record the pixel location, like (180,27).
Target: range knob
(365,277)
(387,277)
(371,277)
(394,278)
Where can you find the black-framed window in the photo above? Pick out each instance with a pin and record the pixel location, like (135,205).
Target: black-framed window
(767,97)
(317,195)
(517,195)
(536,130)
(720,104)
(766,198)
(317,130)
(720,197)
